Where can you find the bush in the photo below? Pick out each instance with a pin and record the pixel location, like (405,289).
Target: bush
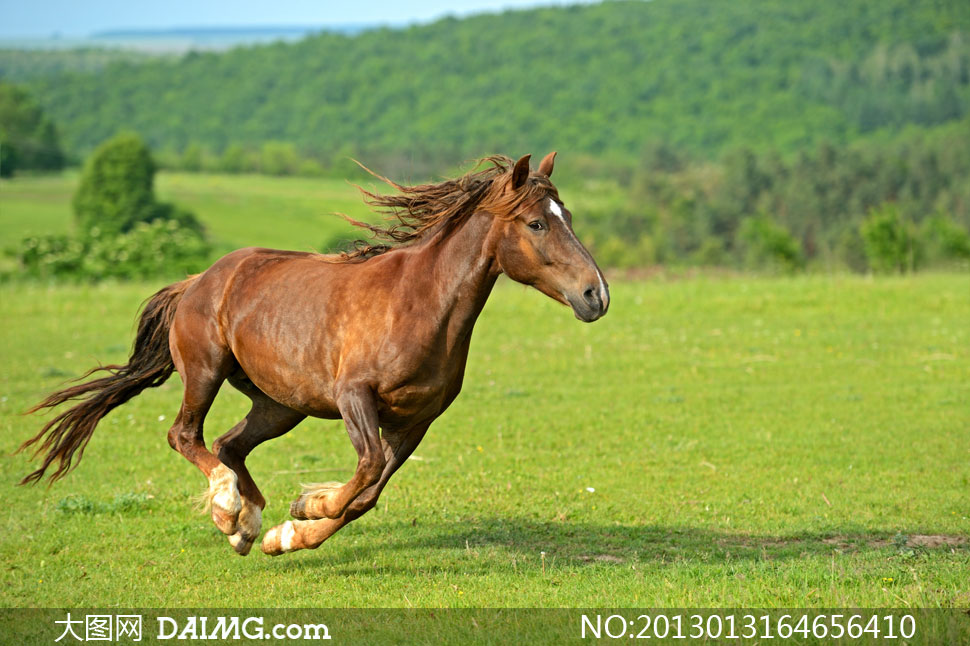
(160,248)
(889,240)
(850,250)
(943,241)
(709,253)
(625,254)
(233,160)
(279,158)
(767,245)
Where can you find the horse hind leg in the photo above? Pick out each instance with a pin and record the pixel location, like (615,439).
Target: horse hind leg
(221,499)
(204,363)
(266,419)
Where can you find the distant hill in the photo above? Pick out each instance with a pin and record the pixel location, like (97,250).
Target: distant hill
(178,39)
(701,75)
(214,38)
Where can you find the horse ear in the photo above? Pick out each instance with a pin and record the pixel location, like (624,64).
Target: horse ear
(520,172)
(545,166)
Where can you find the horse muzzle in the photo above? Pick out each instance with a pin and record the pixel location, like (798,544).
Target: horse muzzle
(592,303)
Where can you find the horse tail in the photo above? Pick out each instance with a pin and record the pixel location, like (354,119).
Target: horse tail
(149,365)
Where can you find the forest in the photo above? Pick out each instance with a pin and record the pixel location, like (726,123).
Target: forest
(749,133)
(602,79)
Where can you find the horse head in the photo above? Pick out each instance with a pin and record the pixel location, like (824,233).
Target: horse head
(535,244)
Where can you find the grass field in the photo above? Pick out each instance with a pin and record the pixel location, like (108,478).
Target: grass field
(711,442)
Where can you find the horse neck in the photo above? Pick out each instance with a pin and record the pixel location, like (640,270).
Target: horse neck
(460,269)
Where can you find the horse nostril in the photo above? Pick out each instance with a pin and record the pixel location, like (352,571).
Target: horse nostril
(591,297)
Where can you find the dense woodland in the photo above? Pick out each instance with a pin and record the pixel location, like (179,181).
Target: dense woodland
(701,76)
(751,133)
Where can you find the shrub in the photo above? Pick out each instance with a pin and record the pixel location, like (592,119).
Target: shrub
(709,253)
(623,253)
(889,240)
(233,160)
(768,245)
(943,241)
(279,158)
(850,250)
(159,248)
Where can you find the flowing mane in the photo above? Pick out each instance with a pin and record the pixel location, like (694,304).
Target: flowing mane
(415,210)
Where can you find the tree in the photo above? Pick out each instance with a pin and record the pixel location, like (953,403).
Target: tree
(28,139)
(117,187)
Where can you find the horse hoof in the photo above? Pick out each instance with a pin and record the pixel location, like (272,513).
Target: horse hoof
(224,499)
(241,544)
(280,539)
(298,509)
(247,528)
(315,502)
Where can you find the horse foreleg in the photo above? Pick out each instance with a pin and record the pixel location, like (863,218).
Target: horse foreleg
(309,534)
(359,411)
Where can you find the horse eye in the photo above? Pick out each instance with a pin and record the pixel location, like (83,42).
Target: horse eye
(536,225)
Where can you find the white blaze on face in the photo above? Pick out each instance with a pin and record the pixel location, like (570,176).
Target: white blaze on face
(556,210)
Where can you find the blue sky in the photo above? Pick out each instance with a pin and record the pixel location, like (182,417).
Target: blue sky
(73,18)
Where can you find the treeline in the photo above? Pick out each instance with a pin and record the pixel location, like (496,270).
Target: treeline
(20,65)
(920,83)
(604,80)
(876,206)
(268,158)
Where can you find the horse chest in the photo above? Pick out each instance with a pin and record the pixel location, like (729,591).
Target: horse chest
(424,392)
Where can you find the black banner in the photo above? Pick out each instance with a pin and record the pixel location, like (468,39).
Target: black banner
(29,626)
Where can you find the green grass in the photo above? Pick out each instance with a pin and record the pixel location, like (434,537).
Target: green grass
(35,205)
(750,442)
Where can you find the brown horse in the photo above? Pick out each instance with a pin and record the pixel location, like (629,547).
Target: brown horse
(378,336)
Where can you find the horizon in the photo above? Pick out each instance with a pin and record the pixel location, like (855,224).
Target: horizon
(62,20)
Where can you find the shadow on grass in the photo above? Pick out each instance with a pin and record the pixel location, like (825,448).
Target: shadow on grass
(579,544)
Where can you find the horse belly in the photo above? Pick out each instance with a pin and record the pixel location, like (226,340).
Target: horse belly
(287,375)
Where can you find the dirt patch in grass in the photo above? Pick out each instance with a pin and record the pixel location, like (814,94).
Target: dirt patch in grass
(601,558)
(928,541)
(935,540)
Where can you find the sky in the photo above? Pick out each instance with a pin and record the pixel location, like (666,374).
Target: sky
(79,18)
